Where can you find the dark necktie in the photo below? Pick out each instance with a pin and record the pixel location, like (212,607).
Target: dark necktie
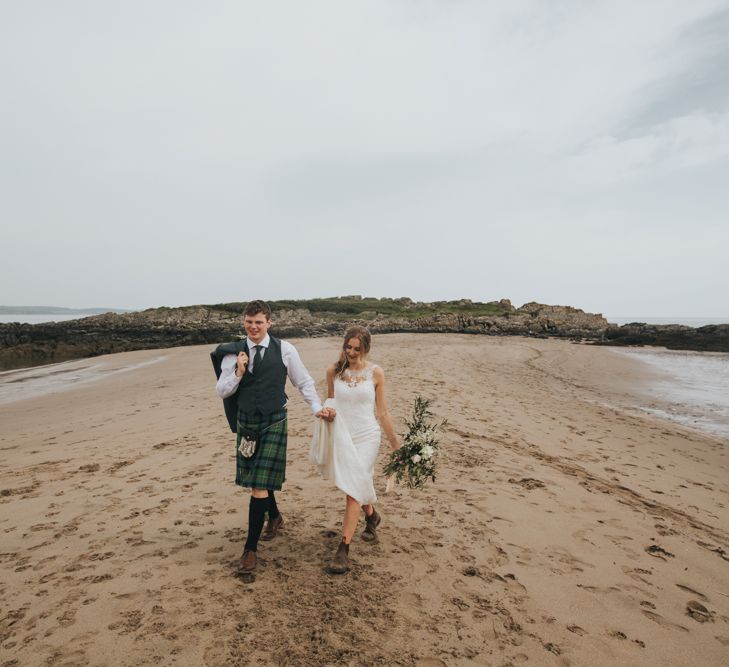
(256,357)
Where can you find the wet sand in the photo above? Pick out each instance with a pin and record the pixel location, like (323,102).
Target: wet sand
(565,528)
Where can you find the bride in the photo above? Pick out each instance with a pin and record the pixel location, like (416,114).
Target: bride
(345,450)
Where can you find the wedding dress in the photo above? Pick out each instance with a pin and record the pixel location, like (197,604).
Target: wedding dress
(345,450)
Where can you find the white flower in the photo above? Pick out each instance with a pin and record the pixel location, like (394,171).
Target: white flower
(427,452)
(416,458)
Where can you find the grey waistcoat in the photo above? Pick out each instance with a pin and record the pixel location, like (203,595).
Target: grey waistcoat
(262,391)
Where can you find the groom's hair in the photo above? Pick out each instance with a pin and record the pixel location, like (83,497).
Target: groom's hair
(257,306)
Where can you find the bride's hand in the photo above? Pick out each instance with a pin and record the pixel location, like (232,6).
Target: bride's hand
(327,414)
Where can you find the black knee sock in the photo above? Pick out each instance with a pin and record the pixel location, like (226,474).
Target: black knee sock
(272,506)
(256,517)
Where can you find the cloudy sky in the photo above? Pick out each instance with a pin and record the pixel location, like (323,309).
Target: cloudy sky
(170,152)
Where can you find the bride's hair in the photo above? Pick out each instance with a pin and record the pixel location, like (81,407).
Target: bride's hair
(364,340)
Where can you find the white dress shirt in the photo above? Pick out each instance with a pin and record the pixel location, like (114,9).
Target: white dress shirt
(228,381)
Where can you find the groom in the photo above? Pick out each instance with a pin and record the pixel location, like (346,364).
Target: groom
(251,381)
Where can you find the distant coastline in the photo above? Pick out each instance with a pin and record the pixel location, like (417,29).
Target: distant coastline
(47,317)
(24,345)
(41,314)
(684,321)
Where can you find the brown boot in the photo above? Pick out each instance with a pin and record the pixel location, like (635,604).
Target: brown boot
(340,562)
(248,561)
(370,531)
(272,527)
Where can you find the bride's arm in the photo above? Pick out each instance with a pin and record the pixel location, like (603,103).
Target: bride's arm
(383,415)
(331,413)
(330,381)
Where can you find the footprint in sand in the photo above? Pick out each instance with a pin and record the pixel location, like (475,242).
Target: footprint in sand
(693,591)
(430,662)
(67,618)
(698,612)
(663,530)
(529,483)
(662,621)
(658,552)
(460,603)
(638,574)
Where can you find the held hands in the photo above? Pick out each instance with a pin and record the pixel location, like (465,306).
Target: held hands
(327,414)
(241,363)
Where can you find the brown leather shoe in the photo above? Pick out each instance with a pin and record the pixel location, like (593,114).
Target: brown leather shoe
(248,561)
(272,527)
(371,523)
(340,562)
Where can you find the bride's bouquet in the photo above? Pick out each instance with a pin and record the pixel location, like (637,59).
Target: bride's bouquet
(415,461)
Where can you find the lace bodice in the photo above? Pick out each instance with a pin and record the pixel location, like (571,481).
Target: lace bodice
(353,378)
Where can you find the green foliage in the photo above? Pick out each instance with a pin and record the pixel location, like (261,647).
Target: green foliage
(415,461)
(351,307)
(236,307)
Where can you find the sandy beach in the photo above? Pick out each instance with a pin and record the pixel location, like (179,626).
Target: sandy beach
(566,526)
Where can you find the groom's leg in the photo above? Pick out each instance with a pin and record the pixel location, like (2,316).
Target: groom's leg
(275,520)
(272,506)
(256,517)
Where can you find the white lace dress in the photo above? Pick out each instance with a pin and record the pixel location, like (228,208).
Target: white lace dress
(345,450)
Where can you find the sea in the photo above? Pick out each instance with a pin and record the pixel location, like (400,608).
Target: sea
(38,318)
(22,383)
(690,388)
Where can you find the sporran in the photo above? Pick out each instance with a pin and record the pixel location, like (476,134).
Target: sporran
(248,442)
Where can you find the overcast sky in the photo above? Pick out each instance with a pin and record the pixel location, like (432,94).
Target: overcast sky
(171,153)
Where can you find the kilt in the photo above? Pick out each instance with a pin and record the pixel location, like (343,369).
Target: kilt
(266,469)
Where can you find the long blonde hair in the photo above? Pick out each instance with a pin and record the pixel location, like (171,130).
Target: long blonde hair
(365,340)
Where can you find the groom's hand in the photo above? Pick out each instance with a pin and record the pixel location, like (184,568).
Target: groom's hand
(241,363)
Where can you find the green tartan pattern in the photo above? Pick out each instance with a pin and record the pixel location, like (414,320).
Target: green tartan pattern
(267,468)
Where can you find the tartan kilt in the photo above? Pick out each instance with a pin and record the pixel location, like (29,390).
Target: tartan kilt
(266,469)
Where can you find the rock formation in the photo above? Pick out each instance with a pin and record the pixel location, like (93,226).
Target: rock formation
(24,345)
(710,338)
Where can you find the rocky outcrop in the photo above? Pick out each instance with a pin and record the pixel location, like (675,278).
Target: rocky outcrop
(710,338)
(532,319)
(24,345)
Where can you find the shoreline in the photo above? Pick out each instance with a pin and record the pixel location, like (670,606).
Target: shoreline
(691,389)
(21,384)
(561,530)
(661,396)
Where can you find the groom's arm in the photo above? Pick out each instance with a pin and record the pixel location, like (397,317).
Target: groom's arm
(300,377)
(228,381)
